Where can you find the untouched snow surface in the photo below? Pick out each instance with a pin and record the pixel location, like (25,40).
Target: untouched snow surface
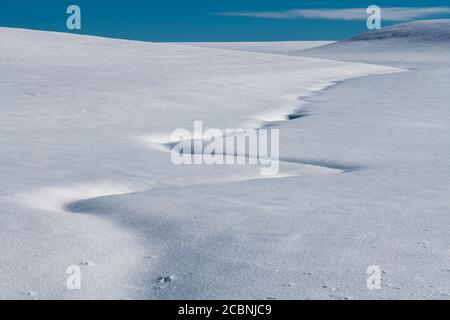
(282,47)
(85,181)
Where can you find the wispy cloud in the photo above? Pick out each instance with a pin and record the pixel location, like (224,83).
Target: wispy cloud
(391,14)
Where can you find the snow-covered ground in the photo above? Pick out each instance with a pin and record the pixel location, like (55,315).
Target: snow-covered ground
(282,47)
(364,177)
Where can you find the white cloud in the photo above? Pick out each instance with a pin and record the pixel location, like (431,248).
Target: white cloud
(392,13)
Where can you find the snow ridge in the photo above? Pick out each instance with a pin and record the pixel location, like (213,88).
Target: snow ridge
(436,31)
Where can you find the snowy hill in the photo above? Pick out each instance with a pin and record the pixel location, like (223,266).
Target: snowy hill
(435,31)
(87,179)
(82,118)
(406,43)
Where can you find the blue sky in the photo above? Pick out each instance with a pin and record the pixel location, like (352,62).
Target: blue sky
(207,20)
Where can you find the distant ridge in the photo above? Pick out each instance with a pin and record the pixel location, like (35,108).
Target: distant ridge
(424,30)
(396,45)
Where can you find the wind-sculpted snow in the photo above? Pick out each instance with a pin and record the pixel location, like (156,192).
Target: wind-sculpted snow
(87,177)
(56,198)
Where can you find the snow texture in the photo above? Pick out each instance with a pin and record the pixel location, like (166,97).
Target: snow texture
(87,178)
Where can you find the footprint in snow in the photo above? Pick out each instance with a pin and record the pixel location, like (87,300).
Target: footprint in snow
(86,263)
(165,279)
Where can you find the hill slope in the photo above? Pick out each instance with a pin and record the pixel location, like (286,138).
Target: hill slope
(436,31)
(402,44)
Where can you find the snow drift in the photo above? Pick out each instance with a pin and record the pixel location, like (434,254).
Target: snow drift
(85,180)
